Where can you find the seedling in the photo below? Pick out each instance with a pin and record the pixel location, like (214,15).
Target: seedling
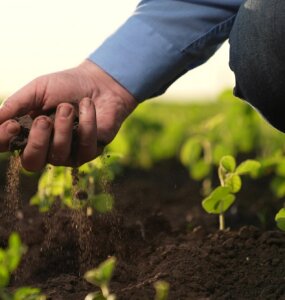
(101,277)
(280,219)
(88,191)
(161,289)
(221,199)
(9,261)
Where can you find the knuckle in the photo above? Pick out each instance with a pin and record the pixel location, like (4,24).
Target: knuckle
(88,123)
(37,145)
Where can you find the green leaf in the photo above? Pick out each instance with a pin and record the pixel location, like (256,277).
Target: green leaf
(280,169)
(280,219)
(233,181)
(4,276)
(44,202)
(219,151)
(102,202)
(228,162)
(95,296)
(14,241)
(14,251)
(101,275)
(28,293)
(277,185)
(200,170)
(162,290)
(219,200)
(191,151)
(249,166)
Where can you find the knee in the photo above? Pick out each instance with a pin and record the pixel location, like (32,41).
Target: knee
(255,59)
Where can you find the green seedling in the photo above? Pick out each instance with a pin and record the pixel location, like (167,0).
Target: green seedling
(221,199)
(9,261)
(280,219)
(88,191)
(101,277)
(161,290)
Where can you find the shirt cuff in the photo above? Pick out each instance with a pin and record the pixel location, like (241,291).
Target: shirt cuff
(140,59)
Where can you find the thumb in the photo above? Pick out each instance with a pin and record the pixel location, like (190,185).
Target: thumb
(23,101)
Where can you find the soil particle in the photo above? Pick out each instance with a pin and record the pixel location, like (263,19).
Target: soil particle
(81,195)
(12,202)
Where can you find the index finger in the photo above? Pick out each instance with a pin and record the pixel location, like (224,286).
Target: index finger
(20,103)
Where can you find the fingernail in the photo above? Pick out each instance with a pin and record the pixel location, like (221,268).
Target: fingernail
(13,128)
(42,124)
(65,111)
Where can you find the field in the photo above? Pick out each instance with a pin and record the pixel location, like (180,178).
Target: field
(142,204)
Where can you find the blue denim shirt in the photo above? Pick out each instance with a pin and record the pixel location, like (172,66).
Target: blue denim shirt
(162,40)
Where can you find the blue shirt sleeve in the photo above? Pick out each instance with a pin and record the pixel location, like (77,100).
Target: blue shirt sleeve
(162,40)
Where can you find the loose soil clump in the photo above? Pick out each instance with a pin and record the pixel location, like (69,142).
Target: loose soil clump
(157,231)
(19,142)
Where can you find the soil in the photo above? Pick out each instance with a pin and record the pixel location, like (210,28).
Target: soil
(158,230)
(19,142)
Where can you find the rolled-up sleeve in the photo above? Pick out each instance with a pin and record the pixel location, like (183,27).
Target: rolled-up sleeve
(162,40)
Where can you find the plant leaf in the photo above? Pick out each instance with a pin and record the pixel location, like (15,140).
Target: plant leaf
(14,251)
(277,185)
(101,275)
(200,169)
(280,169)
(280,219)
(28,293)
(191,151)
(228,162)
(95,296)
(249,166)
(4,276)
(219,200)
(102,202)
(233,181)
(162,290)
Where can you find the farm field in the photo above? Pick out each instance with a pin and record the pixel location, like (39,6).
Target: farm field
(142,204)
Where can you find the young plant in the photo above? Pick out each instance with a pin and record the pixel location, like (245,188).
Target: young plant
(161,290)
(9,261)
(220,200)
(101,277)
(280,219)
(86,190)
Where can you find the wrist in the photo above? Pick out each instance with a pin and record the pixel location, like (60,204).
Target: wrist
(105,84)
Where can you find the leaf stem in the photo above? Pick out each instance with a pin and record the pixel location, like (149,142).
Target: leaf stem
(222,221)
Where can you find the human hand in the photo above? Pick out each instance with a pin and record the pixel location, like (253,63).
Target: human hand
(85,87)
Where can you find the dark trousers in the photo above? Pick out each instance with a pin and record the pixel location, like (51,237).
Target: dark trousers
(257,57)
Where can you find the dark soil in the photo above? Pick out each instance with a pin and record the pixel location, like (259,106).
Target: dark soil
(158,231)
(19,142)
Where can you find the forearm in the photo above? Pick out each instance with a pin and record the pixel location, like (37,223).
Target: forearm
(163,40)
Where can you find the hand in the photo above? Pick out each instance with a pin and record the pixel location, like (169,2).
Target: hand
(86,87)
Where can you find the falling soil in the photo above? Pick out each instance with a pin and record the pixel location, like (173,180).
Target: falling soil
(157,231)
(12,201)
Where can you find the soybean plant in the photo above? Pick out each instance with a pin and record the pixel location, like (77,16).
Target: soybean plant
(101,277)
(222,197)
(9,261)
